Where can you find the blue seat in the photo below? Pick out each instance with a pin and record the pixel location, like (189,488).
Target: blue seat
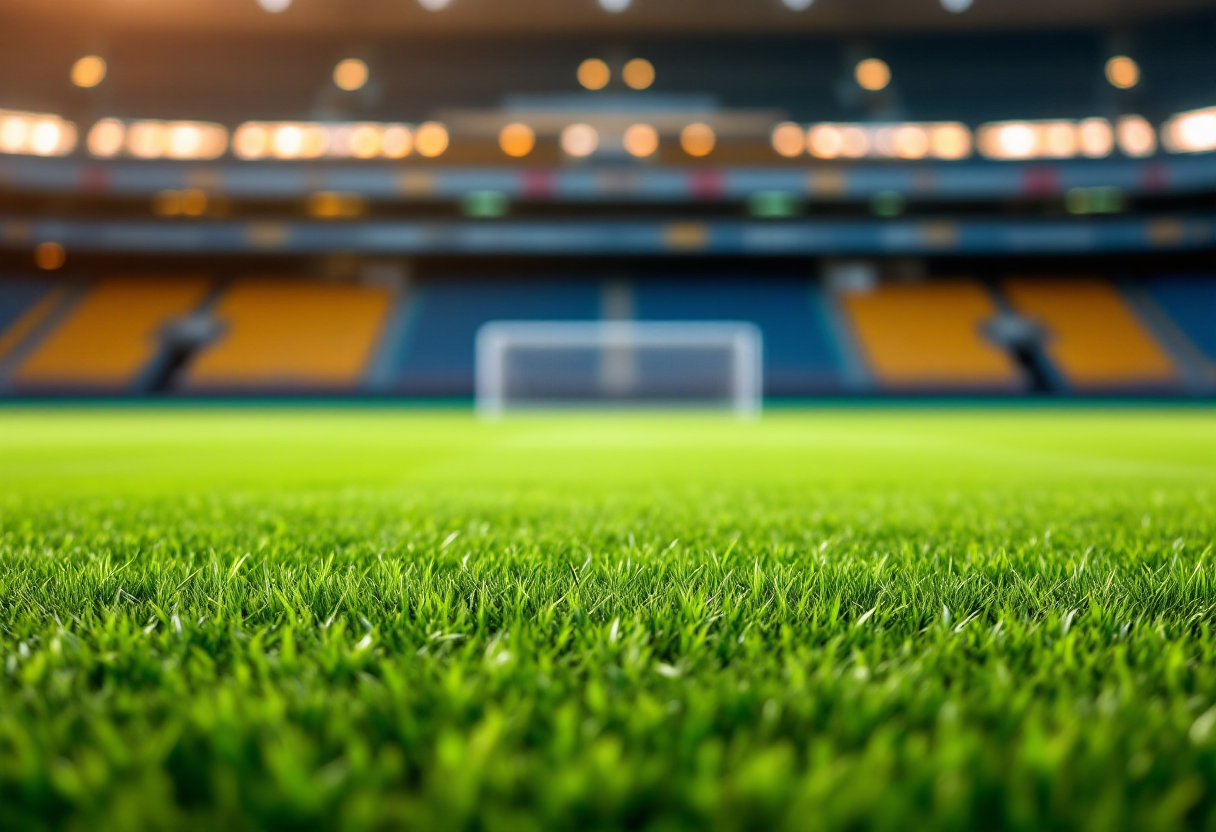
(435,356)
(1190,301)
(18,296)
(800,357)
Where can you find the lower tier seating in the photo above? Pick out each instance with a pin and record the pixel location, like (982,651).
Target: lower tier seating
(435,354)
(123,335)
(1093,338)
(281,335)
(25,304)
(1190,302)
(800,357)
(930,336)
(111,337)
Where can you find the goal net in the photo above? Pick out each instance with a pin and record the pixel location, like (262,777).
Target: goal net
(546,364)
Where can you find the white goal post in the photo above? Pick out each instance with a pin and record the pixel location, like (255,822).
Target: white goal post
(554,364)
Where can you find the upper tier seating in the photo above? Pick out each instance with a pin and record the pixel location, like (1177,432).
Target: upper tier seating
(1094,340)
(112,336)
(287,336)
(930,336)
(435,355)
(799,355)
(1190,301)
(24,305)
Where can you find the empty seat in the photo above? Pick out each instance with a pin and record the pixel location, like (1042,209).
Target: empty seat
(112,336)
(285,335)
(24,305)
(435,356)
(799,355)
(1190,302)
(1093,338)
(931,336)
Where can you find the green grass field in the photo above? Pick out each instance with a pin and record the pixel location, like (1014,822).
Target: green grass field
(377,619)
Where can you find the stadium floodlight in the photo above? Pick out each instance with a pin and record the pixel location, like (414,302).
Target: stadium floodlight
(351,74)
(89,71)
(579,140)
(530,365)
(37,134)
(1190,132)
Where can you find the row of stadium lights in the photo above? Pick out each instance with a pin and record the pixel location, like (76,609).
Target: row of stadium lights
(51,135)
(871,74)
(611,6)
(1093,138)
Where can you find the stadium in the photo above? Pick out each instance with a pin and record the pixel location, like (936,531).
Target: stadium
(603,414)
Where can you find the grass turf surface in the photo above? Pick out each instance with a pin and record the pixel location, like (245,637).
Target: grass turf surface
(894,620)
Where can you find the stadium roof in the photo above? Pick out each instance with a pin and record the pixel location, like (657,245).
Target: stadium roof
(412,17)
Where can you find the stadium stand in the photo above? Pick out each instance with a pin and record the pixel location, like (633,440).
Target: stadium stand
(1094,340)
(291,336)
(1190,303)
(799,355)
(111,337)
(24,306)
(434,355)
(930,336)
(999,137)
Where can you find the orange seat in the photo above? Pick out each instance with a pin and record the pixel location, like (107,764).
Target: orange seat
(112,335)
(930,335)
(291,336)
(1094,339)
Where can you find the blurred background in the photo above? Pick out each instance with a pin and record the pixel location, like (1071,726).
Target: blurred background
(330,197)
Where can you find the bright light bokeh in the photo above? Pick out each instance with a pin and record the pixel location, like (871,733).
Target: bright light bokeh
(594,74)
(1122,72)
(909,140)
(365,141)
(1135,137)
(350,74)
(788,139)
(1191,132)
(825,141)
(1095,138)
(431,139)
(311,140)
(638,74)
(1021,140)
(517,140)
(579,140)
(36,134)
(698,139)
(950,141)
(89,71)
(397,141)
(873,74)
(641,141)
(106,138)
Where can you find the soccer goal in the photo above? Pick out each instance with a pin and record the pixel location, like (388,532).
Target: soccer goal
(530,365)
